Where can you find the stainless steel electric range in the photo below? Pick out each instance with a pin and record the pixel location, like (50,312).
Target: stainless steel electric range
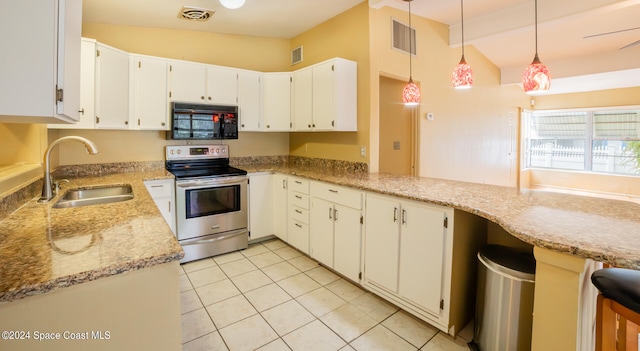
(211,200)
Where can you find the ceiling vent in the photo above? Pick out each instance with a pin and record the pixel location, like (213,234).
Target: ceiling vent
(404,37)
(296,55)
(195,13)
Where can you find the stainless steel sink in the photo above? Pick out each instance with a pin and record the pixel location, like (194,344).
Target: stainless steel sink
(97,195)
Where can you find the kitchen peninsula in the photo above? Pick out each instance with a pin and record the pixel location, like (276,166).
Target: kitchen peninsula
(99,277)
(566,232)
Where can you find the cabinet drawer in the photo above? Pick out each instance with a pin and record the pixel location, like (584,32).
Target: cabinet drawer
(159,190)
(298,184)
(299,199)
(299,214)
(298,235)
(337,194)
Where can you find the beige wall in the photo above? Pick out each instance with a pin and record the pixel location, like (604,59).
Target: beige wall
(346,36)
(133,146)
(219,49)
(22,143)
(473,136)
(399,124)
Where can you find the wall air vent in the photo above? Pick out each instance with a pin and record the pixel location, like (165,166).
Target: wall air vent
(404,37)
(195,13)
(296,55)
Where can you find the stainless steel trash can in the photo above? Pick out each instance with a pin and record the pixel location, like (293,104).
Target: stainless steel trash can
(504,305)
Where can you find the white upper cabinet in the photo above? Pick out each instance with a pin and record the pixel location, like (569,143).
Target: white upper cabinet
(87,88)
(302,100)
(222,85)
(150,106)
(276,101)
(249,100)
(112,88)
(188,82)
(325,97)
(40,61)
(200,83)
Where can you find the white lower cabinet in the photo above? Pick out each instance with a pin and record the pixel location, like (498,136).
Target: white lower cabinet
(335,232)
(260,205)
(280,210)
(407,254)
(162,192)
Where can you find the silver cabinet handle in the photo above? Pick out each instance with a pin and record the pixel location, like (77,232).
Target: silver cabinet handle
(404,216)
(298,225)
(333,191)
(335,214)
(298,197)
(298,182)
(298,211)
(330,212)
(395,214)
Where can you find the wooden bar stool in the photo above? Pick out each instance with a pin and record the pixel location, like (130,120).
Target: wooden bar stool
(619,295)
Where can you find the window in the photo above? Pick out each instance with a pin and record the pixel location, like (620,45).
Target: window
(594,140)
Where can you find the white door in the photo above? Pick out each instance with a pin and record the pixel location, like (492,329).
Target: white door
(382,242)
(222,85)
(347,241)
(323,96)
(112,88)
(421,255)
(188,82)
(276,101)
(249,102)
(260,205)
(280,206)
(321,231)
(302,100)
(68,77)
(150,93)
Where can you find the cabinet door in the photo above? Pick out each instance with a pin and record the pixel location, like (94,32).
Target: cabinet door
(112,88)
(260,205)
(323,96)
(222,85)
(150,91)
(276,101)
(280,206)
(188,82)
(321,231)
(36,36)
(302,100)
(249,102)
(347,241)
(421,255)
(87,88)
(382,241)
(163,194)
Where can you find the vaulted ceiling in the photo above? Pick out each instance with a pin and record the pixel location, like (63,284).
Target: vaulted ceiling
(581,41)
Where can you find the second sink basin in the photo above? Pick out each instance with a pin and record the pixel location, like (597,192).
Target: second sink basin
(95,195)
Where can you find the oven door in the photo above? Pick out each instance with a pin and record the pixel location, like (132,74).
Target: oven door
(210,206)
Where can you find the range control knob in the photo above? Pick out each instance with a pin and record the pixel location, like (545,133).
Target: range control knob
(179,151)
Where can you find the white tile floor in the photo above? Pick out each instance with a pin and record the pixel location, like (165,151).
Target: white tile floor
(272,297)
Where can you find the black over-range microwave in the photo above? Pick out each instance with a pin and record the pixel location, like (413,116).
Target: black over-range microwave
(203,122)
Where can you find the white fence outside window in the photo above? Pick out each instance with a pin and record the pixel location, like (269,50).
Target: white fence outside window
(607,159)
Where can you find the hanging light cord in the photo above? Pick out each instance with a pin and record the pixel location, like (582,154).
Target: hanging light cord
(410,42)
(462,18)
(536,24)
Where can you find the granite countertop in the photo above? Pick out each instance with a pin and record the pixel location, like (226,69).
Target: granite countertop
(601,229)
(45,248)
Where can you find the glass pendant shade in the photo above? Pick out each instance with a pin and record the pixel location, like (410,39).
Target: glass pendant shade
(411,93)
(536,78)
(462,77)
(232,4)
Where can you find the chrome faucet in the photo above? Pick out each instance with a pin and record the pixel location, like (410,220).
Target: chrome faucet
(47,191)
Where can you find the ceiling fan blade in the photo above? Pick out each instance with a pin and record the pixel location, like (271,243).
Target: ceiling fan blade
(630,45)
(607,33)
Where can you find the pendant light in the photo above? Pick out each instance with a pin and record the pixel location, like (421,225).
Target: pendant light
(463,74)
(232,4)
(536,79)
(411,91)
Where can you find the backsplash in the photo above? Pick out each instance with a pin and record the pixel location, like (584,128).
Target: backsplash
(14,200)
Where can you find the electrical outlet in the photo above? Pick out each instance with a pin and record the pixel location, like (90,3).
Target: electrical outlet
(363,151)
(429,116)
